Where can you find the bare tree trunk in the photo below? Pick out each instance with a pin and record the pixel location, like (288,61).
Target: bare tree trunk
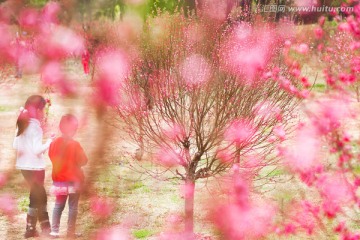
(189,7)
(189,207)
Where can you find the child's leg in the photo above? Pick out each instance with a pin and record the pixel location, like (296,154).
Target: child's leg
(59,207)
(41,200)
(29,177)
(73,211)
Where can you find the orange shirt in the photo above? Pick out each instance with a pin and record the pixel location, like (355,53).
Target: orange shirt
(67,157)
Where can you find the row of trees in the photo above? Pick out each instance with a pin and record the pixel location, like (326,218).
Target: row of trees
(88,10)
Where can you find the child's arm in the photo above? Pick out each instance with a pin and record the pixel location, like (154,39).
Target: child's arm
(81,157)
(37,145)
(15,142)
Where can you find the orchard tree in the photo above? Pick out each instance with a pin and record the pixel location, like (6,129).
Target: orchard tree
(202,99)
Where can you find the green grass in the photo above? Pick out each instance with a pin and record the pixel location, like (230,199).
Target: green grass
(319,87)
(137,185)
(4,109)
(176,199)
(272,172)
(142,233)
(276,172)
(356,170)
(23,204)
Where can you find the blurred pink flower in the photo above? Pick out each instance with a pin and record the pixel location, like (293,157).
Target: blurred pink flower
(6,43)
(302,48)
(7,204)
(238,223)
(305,3)
(279,131)
(113,233)
(239,132)
(225,156)
(327,114)
(112,67)
(319,33)
(335,189)
(216,10)
(341,227)
(174,132)
(101,207)
(28,61)
(195,70)
(167,157)
(50,12)
(321,21)
(29,18)
(51,73)
(302,155)
(247,51)
(344,26)
(266,110)
(252,161)
(289,229)
(61,42)
(3,179)
(170,235)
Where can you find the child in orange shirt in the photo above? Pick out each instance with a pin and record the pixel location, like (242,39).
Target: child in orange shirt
(67,157)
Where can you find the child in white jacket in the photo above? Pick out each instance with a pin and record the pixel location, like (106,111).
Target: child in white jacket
(30,149)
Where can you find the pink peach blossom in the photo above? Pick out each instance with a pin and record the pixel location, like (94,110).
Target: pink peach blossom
(3,179)
(225,156)
(112,67)
(51,73)
(50,12)
(168,157)
(61,42)
(250,223)
(101,207)
(174,131)
(303,48)
(216,10)
(239,132)
(321,21)
(302,154)
(113,233)
(195,70)
(280,132)
(29,18)
(335,188)
(7,204)
(319,33)
(266,110)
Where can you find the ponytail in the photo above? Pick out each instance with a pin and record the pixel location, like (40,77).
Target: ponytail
(22,122)
(33,103)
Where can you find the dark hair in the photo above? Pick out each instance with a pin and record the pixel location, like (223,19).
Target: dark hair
(34,102)
(68,124)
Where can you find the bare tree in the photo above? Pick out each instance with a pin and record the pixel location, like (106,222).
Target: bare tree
(199,115)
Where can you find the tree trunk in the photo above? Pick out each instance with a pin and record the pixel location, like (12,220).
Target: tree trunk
(189,207)
(189,7)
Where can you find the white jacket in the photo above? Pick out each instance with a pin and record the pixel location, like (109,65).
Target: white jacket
(30,148)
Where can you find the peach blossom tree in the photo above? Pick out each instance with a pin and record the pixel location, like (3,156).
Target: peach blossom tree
(203,97)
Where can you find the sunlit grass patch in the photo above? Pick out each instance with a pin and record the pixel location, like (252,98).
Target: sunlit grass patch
(142,233)
(319,87)
(23,204)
